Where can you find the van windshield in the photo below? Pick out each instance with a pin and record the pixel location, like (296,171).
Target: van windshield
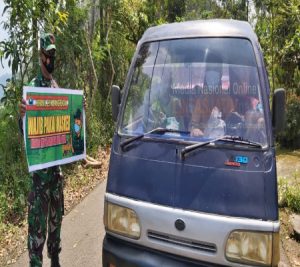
(203,87)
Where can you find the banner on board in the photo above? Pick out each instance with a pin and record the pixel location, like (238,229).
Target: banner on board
(54,126)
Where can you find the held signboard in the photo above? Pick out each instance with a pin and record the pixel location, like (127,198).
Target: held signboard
(54,127)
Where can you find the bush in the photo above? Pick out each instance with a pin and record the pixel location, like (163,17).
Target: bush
(289,193)
(100,125)
(14,178)
(293,199)
(291,136)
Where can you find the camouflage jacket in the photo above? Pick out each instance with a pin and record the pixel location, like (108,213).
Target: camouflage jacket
(40,81)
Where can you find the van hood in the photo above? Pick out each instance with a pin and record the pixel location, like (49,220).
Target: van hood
(153,172)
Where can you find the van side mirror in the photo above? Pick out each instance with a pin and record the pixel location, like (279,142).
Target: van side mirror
(278,110)
(115,101)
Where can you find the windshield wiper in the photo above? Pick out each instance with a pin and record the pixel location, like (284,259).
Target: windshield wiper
(227,138)
(158,130)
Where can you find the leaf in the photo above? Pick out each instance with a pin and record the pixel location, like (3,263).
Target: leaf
(3,99)
(4,10)
(6,115)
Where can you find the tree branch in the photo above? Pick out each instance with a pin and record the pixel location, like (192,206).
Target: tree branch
(91,162)
(93,66)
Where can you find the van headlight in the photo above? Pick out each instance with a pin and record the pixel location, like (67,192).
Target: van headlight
(121,220)
(257,248)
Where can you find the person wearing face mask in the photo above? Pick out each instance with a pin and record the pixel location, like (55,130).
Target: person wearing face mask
(45,201)
(47,60)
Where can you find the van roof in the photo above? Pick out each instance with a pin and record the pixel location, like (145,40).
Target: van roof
(200,28)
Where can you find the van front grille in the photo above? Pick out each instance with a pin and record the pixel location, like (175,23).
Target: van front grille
(188,243)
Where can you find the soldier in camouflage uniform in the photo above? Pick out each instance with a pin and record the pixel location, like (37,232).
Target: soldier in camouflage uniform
(45,201)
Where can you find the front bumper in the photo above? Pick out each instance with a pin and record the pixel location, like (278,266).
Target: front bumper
(203,239)
(124,254)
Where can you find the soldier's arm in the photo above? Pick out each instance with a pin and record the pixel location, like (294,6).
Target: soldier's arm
(54,84)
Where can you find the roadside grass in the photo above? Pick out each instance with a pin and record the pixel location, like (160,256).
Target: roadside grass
(289,192)
(288,170)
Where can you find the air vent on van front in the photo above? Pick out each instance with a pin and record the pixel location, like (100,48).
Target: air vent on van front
(191,244)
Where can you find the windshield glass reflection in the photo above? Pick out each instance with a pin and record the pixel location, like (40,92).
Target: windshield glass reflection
(206,87)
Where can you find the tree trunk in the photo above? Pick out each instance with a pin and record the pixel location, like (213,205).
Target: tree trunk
(35,52)
(102,77)
(92,21)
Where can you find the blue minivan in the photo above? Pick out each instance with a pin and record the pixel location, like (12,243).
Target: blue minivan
(192,177)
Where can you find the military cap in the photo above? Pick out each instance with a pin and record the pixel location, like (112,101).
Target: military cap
(47,41)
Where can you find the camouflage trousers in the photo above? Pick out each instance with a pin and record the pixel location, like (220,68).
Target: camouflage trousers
(45,210)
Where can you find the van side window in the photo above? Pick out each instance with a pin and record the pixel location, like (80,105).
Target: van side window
(140,86)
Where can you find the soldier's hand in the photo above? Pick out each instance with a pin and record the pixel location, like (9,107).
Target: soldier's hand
(22,108)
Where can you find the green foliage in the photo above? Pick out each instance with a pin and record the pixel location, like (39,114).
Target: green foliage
(14,178)
(12,94)
(203,9)
(289,192)
(71,60)
(4,207)
(278,28)
(26,17)
(176,9)
(290,137)
(100,125)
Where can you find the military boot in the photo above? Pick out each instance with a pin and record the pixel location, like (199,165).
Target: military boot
(55,261)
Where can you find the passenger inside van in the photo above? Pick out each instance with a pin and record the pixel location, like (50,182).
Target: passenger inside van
(215,108)
(245,93)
